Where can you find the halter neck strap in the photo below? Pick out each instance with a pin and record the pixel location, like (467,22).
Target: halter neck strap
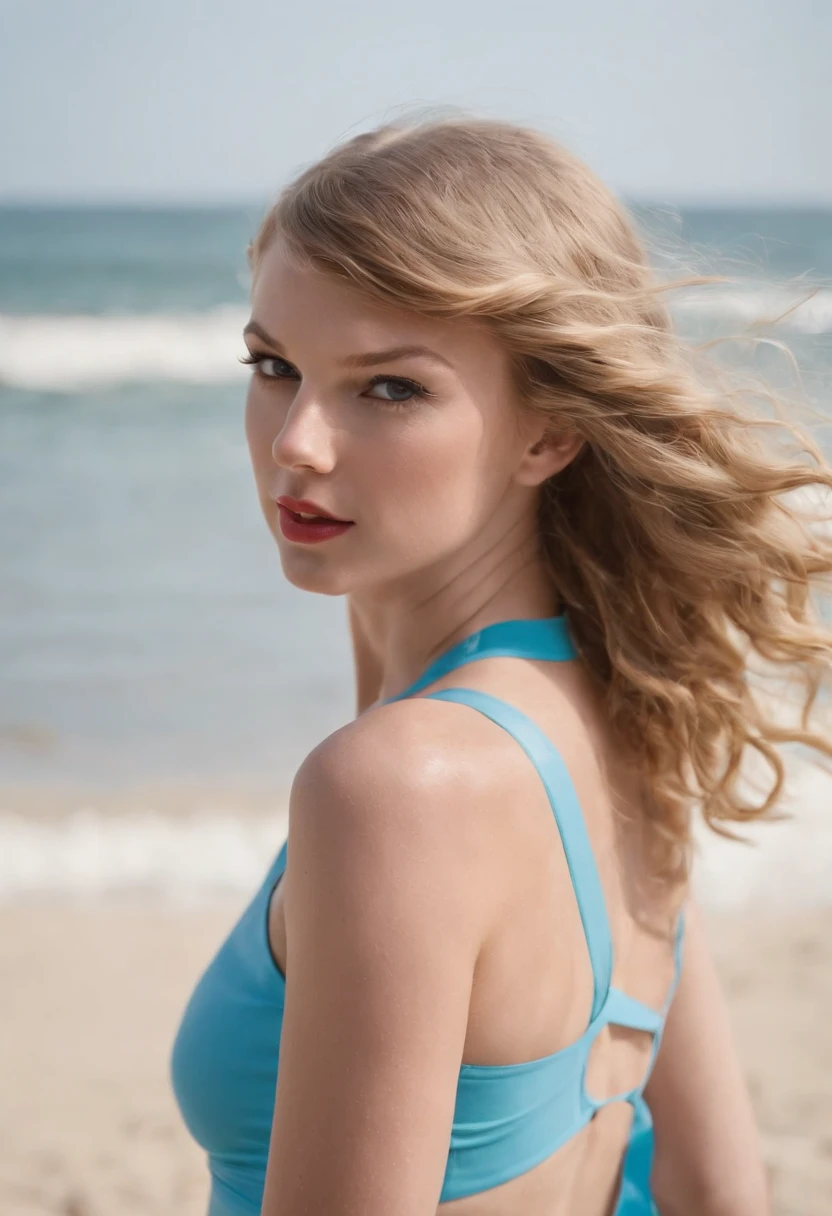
(542,638)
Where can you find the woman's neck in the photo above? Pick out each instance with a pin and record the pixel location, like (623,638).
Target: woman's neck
(392,645)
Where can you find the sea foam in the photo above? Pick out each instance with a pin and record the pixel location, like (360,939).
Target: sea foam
(67,353)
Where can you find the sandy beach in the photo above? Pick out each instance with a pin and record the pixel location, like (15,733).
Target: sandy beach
(92,994)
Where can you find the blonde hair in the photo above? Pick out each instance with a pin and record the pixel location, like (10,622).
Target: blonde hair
(671,539)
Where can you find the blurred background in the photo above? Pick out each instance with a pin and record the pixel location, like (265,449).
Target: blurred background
(159,682)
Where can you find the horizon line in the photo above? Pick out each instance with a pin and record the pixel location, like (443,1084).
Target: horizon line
(728,202)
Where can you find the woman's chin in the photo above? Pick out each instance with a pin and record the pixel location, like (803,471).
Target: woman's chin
(307,573)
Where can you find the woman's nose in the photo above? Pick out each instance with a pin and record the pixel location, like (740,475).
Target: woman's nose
(306,438)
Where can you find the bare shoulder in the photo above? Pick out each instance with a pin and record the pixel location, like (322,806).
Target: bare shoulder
(409,757)
(403,791)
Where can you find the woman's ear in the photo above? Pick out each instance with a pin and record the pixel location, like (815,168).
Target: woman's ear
(547,455)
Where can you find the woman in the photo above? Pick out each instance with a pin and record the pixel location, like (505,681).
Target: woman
(469,415)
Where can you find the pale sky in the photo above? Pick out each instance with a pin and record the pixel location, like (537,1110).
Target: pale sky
(217,100)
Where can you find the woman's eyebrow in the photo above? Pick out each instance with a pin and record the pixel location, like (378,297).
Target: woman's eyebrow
(367,359)
(396,352)
(253,328)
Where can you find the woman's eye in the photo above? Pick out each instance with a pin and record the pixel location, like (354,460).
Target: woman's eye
(274,368)
(281,370)
(399,391)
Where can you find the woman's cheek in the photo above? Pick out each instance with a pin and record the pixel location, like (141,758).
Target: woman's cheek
(434,497)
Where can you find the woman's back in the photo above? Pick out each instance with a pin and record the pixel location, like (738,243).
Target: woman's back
(534,983)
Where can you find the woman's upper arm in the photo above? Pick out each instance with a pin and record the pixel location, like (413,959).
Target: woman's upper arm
(707,1157)
(382,939)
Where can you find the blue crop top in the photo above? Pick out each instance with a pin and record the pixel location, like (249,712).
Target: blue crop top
(508,1117)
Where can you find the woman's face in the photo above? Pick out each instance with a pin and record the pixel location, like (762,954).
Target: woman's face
(417,449)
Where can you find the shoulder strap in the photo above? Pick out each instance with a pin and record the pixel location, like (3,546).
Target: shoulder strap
(547,638)
(566,808)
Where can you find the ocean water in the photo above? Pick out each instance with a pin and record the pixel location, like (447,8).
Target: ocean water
(147,637)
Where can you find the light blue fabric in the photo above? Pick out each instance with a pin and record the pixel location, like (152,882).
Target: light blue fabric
(508,1117)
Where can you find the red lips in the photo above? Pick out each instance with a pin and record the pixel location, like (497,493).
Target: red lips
(304,505)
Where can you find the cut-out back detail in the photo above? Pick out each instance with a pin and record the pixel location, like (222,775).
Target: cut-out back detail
(508,1117)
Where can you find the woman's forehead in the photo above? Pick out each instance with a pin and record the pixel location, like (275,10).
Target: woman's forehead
(292,301)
